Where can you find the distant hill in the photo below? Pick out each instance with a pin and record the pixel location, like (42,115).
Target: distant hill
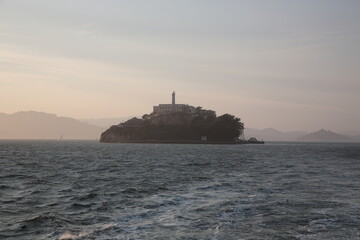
(271,134)
(38,125)
(324,136)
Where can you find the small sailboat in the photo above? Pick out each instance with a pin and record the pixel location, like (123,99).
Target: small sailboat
(60,138)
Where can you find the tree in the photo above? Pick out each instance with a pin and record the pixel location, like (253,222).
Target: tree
(227,127)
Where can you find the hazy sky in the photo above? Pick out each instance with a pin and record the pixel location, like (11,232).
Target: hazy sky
(291,65)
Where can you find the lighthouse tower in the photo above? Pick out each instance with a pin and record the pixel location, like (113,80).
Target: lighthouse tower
(173,107)
(173,102)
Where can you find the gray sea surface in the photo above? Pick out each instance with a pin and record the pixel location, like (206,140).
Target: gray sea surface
(88,190)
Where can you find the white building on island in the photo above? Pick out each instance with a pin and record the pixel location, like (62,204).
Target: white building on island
(169,108)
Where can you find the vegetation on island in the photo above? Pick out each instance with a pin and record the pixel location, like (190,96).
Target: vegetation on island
(181,126)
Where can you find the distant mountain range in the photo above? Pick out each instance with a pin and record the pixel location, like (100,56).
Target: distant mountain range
(270,134)
(38,125)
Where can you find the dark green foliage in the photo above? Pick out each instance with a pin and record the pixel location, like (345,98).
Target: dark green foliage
(180,126)
(225,127)
(133,122)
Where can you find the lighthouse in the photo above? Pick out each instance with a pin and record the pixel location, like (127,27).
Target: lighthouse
(173,107)
(173,98)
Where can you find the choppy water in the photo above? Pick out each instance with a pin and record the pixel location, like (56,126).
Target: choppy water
(88,190)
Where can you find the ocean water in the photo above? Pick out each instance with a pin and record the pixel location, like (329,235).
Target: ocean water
(88,190)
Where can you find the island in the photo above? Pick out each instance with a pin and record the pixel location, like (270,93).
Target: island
(178,123)
(324,136)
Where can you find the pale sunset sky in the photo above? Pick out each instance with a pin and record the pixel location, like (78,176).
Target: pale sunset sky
(290,65)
